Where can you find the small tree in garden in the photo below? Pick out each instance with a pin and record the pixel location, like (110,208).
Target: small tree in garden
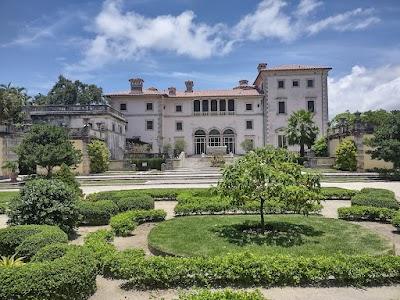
(66,175)
(99,156)
(247,145)
(179,146)
(272,178)
(346,156)
(301,130)
(320,147)
(45,201)
(12,167)
(47,146)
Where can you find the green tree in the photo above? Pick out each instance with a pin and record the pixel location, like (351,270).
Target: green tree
(272,178)
(66,175)
(386,140)
(179,146)
(348,117)
(301,130)
(320,147)
(99,156)
(67,92)
(247,145)
(12,100)
(47,146)
(375,117)
(346,156)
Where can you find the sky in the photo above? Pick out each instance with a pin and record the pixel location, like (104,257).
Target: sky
(214,43)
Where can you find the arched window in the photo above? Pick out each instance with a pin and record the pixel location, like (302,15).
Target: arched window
(199,142)
(214,138)
(229,140)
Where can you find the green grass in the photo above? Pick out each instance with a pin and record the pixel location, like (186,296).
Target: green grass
(5,197)
(287,234)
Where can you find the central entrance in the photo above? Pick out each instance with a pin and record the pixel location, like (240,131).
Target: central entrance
(200,142)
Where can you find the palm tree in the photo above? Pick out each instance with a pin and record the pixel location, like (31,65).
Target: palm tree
(301,130)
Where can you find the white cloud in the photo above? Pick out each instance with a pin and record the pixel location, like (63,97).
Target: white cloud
(305,7)
(364,89)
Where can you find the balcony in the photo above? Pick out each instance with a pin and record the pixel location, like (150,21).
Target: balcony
(213,113)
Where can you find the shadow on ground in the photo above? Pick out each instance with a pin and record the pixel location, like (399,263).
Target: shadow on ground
(281,234)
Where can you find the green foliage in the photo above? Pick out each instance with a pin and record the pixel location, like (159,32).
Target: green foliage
(123,223)
(12,100)
(320,147)
(386,140)
(5,198)
(47,146)
(247,145)
(26,240)
(135,202)
(143,164)
(10,165)
(11,261)
(99,243)
(66,175)
(272,178)
(375,198)
(66,92)
(335,193)
(96,213)
(348,117)
(179,146)
(301,130)
(346,158)
(71,277)
(42,201)
(226,294)
(52,251)
(99,156)
(396,220)
(366,213)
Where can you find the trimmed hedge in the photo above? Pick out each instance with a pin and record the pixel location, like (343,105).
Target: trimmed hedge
(143,164)
(396,220)
(71,277)
(376,198)
(137,202)
(226,294)
(27,240)
(366,213)
(123,223)
(335,193)
(52,252)
(96,213)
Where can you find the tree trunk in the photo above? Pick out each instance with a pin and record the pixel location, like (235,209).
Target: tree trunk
(301,150)
(262,215)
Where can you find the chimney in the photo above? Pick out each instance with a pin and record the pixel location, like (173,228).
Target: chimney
(136,84)
(189,86)
(261,66)
(172,91)
(243,82)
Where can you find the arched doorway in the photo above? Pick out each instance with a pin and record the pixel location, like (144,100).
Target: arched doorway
(199,142)
(214,138)
(229,140)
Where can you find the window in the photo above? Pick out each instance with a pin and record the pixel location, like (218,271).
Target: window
(295,83)
(231,105)
(205,105)
(179,126)
(122,106)
(281,84)
(282,143)
(196,105)
(178,108)
(149,125)
(249,106)
(311,106)
(120,128)
(149,106)
(222,105)
(113,126)
(310,83)
(281,107)
(249,124)
(214,105)
(214,138)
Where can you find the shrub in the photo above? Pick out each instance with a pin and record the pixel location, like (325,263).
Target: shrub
(346,158)
(247,145)
(26,240)
(123,223)
(99,156)
(335,193)
(71,277)
(396,220)
(179,146)
(376,198)
(97,213)
(226,294)
(42,201)
(320,147)
(99,243)
(66,175)
(52,252)
(135,202)
(143,164)
(366,213)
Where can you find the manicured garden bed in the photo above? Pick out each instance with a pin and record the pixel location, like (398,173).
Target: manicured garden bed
(286,234)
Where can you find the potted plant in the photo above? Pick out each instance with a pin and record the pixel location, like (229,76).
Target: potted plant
(12,166)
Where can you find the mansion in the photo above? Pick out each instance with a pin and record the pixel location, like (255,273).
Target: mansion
(204,119)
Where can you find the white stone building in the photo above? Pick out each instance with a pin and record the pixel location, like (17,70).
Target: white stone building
(257,112)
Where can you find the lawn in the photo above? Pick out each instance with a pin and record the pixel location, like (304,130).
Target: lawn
(5,197)
(286,234)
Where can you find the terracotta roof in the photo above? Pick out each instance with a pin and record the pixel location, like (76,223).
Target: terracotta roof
(295,67)
(203,93)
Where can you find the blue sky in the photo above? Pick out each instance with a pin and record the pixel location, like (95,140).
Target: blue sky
(214,43)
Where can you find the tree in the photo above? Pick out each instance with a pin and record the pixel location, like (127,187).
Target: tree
(346,156)
(348,117)
(179,146)
(320,147)
(12,100)
(247,145)
(67,92)
(272,178)
(99,156)
(386,140)
(301,130)
(47,146)
(12,167)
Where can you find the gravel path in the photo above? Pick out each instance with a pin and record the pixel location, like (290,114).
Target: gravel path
(138,239)
(3,221)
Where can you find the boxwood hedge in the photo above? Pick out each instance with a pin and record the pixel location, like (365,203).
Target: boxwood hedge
(376,198)
(96,213)
(396,220)
(335,193)
(52,252)
(226,294)
(366,213)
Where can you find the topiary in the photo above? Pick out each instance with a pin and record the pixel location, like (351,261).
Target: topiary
(42,201)
(134,202)
(96,213)
(346,156)
(99,156)
(52,252)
